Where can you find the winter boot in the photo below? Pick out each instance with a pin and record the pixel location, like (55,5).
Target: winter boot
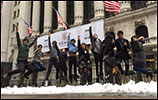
(46,83)
(97,79)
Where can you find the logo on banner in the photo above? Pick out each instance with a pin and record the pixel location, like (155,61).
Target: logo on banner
(63,42)
(64,36)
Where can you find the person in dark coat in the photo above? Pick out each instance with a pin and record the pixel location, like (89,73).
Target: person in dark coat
(122,46)
(97,50)
(84,61)
(108,56)
(139,57)
(62,63)
(23,56)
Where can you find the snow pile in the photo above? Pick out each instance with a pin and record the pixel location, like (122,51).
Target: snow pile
(130,87)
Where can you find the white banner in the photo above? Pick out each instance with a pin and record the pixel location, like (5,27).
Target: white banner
(83,31)
(44,42)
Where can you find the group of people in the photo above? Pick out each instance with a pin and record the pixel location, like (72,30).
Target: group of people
(103,52)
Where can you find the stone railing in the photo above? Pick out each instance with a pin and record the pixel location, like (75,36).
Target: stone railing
(151,40)
(123,80)
(151,2)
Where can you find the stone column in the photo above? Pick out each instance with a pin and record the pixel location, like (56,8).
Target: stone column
(5,28)
(47,16)
(35,23)
(25,13)
(36,16)
(98,9)
(78,7)
(62,11)
(125,6)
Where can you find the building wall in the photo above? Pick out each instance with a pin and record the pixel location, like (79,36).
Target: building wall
(125,21)
(5,29)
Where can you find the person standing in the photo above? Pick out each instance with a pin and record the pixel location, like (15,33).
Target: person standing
(97,50)
(139,57)
(53,59)
(122,46)
(22,59)
(72,58)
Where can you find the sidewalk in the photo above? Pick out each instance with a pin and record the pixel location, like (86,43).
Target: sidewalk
(83,96)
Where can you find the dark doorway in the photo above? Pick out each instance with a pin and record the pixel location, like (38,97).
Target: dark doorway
(54,18)
(88,11)
(41,17)
(142,31)
(70,12)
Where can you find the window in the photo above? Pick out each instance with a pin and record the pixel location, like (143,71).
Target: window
(138,4)
(14,15)
(17,24)
(18,12)
(142,31)
(13,28)
(15,3)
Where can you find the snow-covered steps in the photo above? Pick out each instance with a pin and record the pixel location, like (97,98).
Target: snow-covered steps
(130,87)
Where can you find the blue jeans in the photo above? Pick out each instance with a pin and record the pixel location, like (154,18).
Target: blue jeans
(52,61)
(139,69)
(38,67)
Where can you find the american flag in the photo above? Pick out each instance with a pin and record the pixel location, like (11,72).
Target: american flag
(59,19)
(112,6)
(28,28)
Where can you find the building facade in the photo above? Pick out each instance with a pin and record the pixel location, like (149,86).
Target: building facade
(136,17)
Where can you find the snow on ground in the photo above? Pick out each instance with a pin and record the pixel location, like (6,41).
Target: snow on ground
(130,87)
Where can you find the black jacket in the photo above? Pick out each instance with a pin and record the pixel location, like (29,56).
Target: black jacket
(93,41)
(83,53)
(62,56)
(122,51)
(139,56)
(108,46)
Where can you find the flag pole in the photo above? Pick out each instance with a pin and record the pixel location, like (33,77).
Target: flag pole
(62,18)
(26,22)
